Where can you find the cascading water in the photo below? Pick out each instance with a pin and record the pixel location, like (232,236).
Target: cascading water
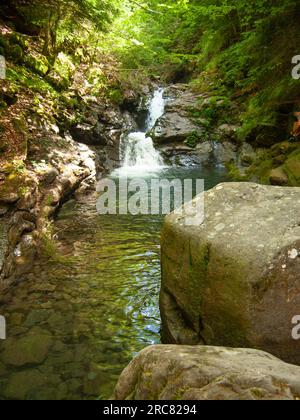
(139,153)
(156,108)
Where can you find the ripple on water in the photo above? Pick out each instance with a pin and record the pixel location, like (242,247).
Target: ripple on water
(96,301)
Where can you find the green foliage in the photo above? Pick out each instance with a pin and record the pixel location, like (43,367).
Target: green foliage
(239,50)
(193,139)
(239,53)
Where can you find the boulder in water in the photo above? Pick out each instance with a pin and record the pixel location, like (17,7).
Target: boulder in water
(234,280)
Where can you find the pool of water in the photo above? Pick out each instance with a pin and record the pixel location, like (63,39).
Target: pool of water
(89,305)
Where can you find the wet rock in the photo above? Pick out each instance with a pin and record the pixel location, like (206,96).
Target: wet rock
(36,317)
(231,280)
(27,201)
(32,384)
(31,349)
(50,176)
(225,152)
(207,373)
(278,177)
(3,241)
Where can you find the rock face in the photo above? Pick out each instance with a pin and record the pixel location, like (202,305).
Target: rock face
(176,125)
(3,241)
(102,127)
(234,280)
(207,373)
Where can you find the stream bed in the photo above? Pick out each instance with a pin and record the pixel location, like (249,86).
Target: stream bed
(91,303)
(77,320)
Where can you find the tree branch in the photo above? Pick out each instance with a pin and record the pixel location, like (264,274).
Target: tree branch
(146,8)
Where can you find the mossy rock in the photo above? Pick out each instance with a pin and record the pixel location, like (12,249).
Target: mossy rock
(39,64)
(32,349)
(225,278)
(283,148)
(18,39)
(16,53)
(279,177)
(292,167)
(4,43)
(58,82)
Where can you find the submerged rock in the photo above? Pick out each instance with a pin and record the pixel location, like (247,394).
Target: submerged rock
(32,384)
(234,280)
(207,373)
(31,349)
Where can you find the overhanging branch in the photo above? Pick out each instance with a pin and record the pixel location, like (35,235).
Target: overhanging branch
(145,8)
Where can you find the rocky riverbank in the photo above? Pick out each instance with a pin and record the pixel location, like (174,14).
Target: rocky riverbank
(55,166)
(206,129)
(181,132)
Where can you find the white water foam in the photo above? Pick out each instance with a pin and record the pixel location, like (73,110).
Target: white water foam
(139,153)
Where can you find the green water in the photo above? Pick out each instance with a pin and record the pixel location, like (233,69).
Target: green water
(75,322)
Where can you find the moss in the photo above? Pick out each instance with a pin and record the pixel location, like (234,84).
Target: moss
(218,293)
(116,96)
(193,139)
(18,39)
(235,173)
(292,168)
(38,64)
(20,77)
(4,43)
(16,53)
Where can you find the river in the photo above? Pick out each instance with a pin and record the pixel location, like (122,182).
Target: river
(91,304)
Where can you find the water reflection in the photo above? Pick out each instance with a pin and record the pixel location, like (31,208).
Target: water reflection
(93,305)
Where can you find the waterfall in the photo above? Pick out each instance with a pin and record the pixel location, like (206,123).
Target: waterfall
(139,153)
(156,108)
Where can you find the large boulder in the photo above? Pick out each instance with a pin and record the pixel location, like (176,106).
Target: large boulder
(234,280)
(177,124)
(172,127)
(207,373)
